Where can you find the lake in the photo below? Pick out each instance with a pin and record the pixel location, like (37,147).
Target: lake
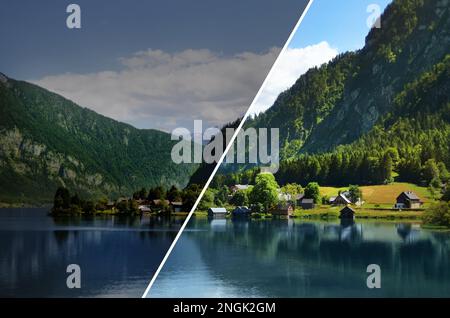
(297,258)
(117,255)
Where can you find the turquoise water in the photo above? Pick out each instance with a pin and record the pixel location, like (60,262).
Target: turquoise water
(293,258)
(117,255)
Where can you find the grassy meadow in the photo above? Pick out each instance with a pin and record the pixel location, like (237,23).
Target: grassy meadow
(378,202)
(383,196)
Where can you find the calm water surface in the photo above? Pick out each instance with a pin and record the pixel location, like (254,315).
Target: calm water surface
(293,258)
(117,255)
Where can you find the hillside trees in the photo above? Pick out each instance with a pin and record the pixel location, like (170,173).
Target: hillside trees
(174,195)
(312,191)
(438,214)
(355,193)
(240,198)
(265,191)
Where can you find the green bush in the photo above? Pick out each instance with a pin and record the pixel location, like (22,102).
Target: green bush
(438,214)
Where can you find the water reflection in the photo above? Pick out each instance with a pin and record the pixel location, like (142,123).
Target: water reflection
(293,258)
(117,255)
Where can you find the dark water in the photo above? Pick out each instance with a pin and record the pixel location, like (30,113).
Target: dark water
(288,258)
(117,255)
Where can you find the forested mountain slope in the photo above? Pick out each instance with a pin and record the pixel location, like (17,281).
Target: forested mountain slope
(47,141)
(370,112)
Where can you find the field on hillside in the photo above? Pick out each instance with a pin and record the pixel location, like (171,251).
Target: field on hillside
(383,195)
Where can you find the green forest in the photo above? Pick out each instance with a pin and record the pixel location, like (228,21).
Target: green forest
(371,116)
(411,142)
(47,141)
(376,116)
(158,199)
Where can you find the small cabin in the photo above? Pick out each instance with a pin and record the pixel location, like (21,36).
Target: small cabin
(347,213)
(341,199)
(283,210)
(307,204)
(238,187)
(177,206)
(298,199)
(110,205)
(408,200)
(217,212)
(144,209)
(241,211)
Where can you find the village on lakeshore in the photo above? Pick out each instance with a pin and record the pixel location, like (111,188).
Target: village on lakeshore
(157,201)
(288,204)
(264,199)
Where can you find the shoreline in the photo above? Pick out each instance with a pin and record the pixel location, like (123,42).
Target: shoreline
(331,214)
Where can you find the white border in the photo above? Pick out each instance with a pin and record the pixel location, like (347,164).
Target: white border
(169,251)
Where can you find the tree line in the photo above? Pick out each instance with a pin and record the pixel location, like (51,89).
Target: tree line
(70,203)
(265,193)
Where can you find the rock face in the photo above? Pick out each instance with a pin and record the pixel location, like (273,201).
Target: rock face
(339,102)
(47,141)
(3,78)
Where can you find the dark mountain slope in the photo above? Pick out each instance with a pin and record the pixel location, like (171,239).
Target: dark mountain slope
(47,141)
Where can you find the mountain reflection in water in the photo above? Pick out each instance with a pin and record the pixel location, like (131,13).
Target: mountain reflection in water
(294,258)
(117,255)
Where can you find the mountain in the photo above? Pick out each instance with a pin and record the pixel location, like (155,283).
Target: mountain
(373,112)
(204,171)
(47,141)
(340,101)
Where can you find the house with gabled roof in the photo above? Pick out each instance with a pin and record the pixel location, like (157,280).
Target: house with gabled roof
(177,206)
(341,199)
(347,213)
(298,199)
(239,187)
(283,209)
(408,200)
(217,212)
(241,211)
(307,204)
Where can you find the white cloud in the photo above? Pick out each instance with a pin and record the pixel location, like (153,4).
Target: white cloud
(156,89)
(292,64)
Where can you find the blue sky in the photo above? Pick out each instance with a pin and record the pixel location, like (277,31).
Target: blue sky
(342,23)
(165,63)
(329,27)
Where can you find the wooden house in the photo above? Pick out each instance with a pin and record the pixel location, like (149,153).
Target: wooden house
(110,205)
(408,200)
(285,209)
(217,212)
(241,211)
(144,208)
(177,206)
(341,199)
(347,213)
(307,204)
(298,199)
(238,187)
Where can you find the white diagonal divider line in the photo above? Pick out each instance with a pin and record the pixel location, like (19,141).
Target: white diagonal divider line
(230,144)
